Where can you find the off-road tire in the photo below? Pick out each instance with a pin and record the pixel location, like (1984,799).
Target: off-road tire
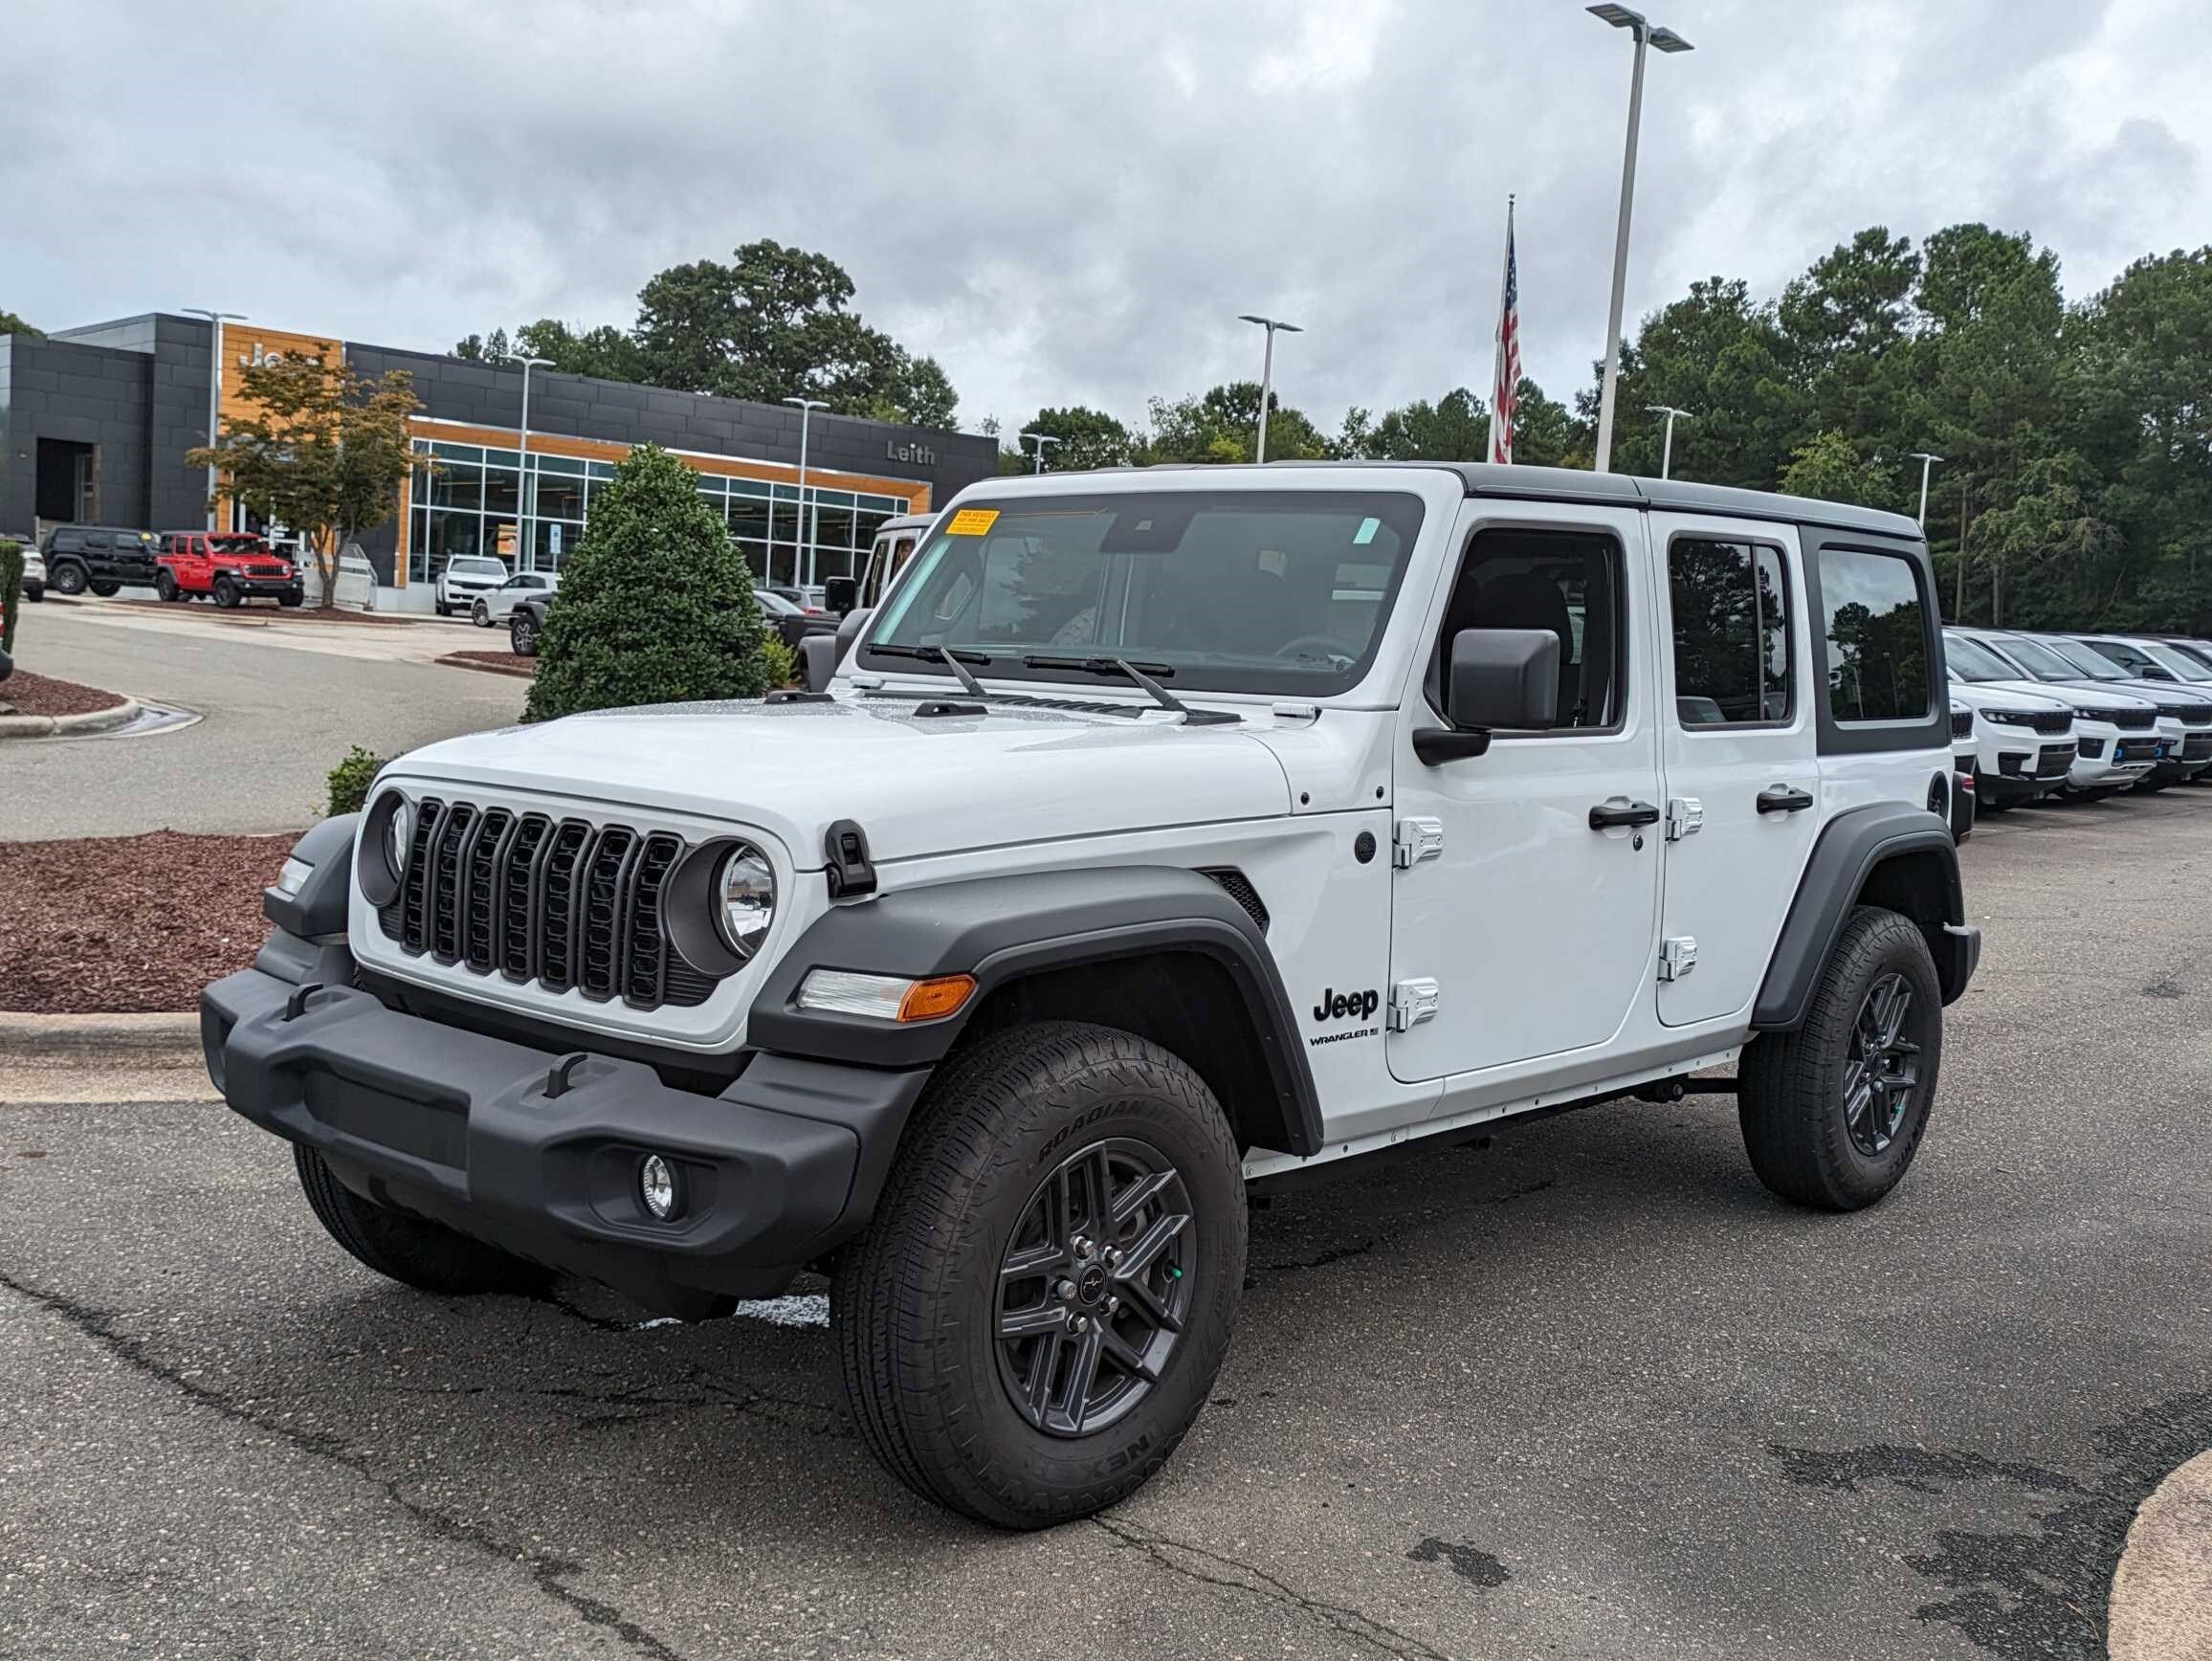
(915,1300)
(68,577)
(226,594)
(165,587)
(290,601)
(415,1250)
(106,591)
(1790,1094)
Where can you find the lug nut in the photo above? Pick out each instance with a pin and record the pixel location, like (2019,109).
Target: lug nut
(1082,1323)
(1113,1304)
(1067,1291)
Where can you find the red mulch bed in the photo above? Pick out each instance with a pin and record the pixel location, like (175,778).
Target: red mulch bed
(501,662)
(35,695)
(117,924)
(263,610)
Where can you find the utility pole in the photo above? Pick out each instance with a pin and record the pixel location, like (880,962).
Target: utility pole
(1666,40)
(806,539)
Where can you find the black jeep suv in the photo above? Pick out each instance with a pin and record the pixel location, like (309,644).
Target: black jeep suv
(97,557)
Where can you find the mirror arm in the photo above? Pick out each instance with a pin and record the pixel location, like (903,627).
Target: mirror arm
(1436,746)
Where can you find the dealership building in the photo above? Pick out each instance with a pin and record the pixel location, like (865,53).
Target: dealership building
(95,422)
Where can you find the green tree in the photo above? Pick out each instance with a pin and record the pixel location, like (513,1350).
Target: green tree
(1455,428)
(1088,439)
(11,325)
(1828,467)
(1223,426)
(320,450)
(1723,358)
(655,602)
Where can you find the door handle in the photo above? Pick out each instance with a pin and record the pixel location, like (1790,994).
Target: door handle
(1784,799)
(1605,816)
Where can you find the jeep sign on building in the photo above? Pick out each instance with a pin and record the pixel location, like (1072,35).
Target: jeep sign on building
(95,422)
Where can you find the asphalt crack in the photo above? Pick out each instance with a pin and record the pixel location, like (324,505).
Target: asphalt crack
(546,1572)
(1178,1558)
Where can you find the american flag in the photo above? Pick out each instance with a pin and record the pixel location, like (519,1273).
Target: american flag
(1505,395)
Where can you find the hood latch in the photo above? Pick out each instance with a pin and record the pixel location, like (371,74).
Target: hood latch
(849,869)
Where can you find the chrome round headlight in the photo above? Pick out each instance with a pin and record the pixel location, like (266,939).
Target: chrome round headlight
(745,893)
(398,834)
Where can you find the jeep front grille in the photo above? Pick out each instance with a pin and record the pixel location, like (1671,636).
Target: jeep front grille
(2134,721)
(559,902)
(2053,720)
(1961,723)
(2188,713)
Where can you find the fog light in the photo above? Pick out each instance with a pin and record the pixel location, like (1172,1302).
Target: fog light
(656,1187)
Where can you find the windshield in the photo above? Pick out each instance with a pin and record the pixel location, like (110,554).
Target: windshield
(476,567)
(2180,663)
(2087,665)
(238,545)
(1264,592)
(773,602)
(1971,660)
(2037,658)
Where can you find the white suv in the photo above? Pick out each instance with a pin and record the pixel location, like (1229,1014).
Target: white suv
(498,604)
(2181,686)
(463,578)
(1164,830)
(2117,738)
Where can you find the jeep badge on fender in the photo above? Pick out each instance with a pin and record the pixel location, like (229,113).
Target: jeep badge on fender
(602,997)
(1336,1005)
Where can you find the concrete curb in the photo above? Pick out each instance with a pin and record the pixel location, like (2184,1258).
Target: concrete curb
(2162,1602)
(161,1040)
(65,726)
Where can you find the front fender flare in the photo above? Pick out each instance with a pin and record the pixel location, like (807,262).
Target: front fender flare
(1001,928)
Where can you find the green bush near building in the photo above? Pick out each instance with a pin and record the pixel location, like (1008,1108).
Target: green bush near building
(350,779)
(656,602)
(11,562)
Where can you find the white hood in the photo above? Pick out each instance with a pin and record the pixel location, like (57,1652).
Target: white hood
(918,785)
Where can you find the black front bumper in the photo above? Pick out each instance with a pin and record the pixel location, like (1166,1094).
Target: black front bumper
(269,587)
(459,1128)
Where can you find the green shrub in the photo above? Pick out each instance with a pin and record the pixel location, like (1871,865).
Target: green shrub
(656,603)
(780,661)
(11,591)
(350,779)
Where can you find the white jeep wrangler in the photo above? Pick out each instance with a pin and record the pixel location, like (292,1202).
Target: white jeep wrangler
(1162,829)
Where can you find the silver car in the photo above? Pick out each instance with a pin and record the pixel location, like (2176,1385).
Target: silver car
(498,604)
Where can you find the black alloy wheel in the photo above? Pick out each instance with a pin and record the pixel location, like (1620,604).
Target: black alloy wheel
(522,635)
(69,577)
(1095,1285)
(165,584)
(226,594)
(1881,1067)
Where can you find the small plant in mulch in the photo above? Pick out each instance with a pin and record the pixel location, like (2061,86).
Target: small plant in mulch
(349,780)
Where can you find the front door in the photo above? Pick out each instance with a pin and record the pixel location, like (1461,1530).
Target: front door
(1537,924)
(1741,765)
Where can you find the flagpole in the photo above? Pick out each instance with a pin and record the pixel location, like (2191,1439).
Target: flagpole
(1498,356)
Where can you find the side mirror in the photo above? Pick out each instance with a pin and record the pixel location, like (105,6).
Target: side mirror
(817,661)
(849,627)
(840,594)
(1498,678)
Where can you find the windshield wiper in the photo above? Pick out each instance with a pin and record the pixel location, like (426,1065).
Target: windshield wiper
(953,657)
(1157,692)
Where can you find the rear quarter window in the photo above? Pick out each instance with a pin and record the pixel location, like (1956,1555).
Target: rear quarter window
(1877,637)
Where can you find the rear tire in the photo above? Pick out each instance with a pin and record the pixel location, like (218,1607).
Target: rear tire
(106,591)
(1819,1130)
(522,635)
(413,1251)
(956,1314)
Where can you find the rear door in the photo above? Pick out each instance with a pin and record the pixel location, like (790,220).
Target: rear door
(1739,755)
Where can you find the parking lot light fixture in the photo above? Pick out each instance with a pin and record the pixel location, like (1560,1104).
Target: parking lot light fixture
(1927,464)
(1040,440)
(528,549)
(803,549)
(215,322)
(1267,373)
(1667,450)
(1647,34)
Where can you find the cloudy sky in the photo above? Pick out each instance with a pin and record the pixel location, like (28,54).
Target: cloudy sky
(1062,204)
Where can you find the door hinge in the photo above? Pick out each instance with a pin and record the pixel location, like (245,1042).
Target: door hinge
(1414,839)
(1677,957)
(1411,1003)
(1684,817)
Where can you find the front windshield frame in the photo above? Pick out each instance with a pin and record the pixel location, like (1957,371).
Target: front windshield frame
(2094,664)
(2000,670)
(2190,673)
(1402,513)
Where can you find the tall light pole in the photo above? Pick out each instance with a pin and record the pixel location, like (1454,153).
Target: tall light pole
(215,322)
(806,409)
(1267,373)
(529,505)
(1666,40)
(1927,463)
(1667,450)
(1040,440)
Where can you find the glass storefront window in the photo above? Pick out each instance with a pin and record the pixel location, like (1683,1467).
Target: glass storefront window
(502,490)
(456,484)
(748,519)
(560,498)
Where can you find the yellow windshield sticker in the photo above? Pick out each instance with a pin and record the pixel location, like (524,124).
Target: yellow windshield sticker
(972,521)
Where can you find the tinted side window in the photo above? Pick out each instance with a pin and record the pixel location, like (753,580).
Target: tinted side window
(1731,632)
(1568,582)
(1877,635)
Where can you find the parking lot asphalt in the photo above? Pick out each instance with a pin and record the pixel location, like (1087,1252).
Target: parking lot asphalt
(281,708)
(1584,1390)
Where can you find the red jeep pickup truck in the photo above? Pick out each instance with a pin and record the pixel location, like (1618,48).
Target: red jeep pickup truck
(231,566)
